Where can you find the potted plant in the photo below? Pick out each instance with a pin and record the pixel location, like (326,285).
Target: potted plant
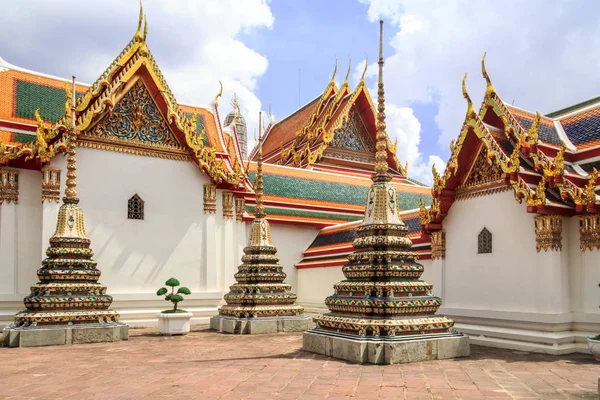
(174,321)
(594,346)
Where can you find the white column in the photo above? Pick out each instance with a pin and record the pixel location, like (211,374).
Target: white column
(9,193)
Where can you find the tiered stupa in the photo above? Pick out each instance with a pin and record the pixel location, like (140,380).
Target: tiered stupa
(260,301)
(383,313)
(68,305)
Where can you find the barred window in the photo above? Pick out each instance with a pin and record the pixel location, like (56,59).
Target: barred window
(484,242)
(135,208)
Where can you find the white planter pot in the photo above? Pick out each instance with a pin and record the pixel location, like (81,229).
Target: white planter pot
(594,347)
(174,324)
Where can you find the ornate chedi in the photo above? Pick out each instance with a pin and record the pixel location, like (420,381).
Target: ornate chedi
(382,298)
(68,294)
(260,301)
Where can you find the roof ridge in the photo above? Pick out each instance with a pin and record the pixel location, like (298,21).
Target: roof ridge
(573,107)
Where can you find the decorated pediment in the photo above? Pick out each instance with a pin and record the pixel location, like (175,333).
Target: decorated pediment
(483,171)
(353,135)
(135,122)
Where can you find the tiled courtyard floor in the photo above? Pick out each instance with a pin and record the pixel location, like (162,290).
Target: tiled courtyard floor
(207,365)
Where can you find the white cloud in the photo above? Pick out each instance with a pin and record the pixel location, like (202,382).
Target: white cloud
(538,54)
(196,43)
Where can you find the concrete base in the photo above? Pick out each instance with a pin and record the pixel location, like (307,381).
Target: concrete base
(58,335)
(393,351)
(253,326)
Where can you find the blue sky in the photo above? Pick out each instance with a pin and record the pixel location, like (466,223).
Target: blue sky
(539,52)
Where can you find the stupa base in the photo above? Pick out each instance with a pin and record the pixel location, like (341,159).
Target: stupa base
(254,326)
(386,350)
(64,334)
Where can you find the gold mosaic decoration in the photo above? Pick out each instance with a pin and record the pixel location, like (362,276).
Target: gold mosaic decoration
(438,245)
(9,186)
(210,198)
(382,296)
(589,232)
(240,208)
(260,290)
(50,184)
(548,232)
(227,205)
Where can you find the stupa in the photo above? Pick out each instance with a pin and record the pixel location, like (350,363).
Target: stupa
(67,305)
(383,313)
(260,301)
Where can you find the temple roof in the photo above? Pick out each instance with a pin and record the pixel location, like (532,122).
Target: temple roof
(336,128)
(548,161)
(332,244)
(31,140)
(323,198)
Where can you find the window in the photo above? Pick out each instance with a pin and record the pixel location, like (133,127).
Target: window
(135,208)
(484,242)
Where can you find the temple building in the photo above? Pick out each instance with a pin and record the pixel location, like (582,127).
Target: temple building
(168,191)
(515,226)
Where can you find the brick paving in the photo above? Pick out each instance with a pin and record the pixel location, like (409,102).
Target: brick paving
(207,365)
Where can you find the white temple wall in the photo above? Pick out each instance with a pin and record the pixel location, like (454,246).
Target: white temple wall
(291,241)
(490,281)
(516,297)
(20,240)
(431,275)
(315,284)
(136,257)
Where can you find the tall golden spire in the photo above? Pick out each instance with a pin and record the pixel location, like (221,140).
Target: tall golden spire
(139,33)
(381,165)
(259,212)
(71,190)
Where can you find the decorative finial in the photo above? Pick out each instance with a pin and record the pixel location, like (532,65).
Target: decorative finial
(490,88)
(271,116)
(362,78)
(139,35)
(236,107)
(216,101)
(71,190)
(145,28)
(259,211)
(470,109)
(381,165)
(347,73)
(590,188)
(533,131)
(332,81)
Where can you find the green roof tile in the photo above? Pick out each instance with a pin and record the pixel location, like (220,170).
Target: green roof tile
(300,188)
(23,137)
(306,214)
(50,101)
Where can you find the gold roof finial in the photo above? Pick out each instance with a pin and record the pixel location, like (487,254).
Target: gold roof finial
(271,116)
(236,106)
(218,94)
(533,131)
(490,88)
(332,81)
(139,35)
(381,165)
(259,211)
(362,77)
(71,190)
(470,109)
(590,188)
(145,27)
(347,73)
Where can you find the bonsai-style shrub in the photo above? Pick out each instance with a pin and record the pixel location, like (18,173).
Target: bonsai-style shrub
(173,297)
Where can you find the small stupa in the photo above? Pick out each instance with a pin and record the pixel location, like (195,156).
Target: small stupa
(383,313)
(260,301)
(67,305)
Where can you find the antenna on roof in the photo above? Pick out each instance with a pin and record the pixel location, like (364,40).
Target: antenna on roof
(513,102)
